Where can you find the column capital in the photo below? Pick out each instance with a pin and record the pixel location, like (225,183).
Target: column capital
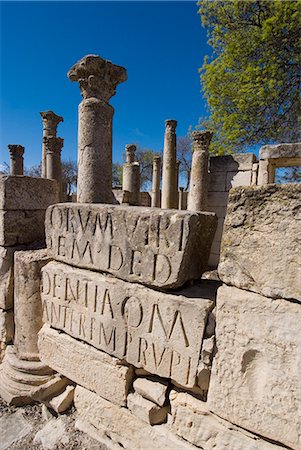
(202,139)
(171,125)
(16,151)
(130,150)
(50,119)
(53,144)
(157,159)
(97,77)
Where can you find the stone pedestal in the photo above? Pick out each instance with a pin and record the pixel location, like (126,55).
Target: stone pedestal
(156,182)
(16,159)
(53,147)
(169,165)
(98,79)
(22,370)
(131,175)
(50,122)
(199,177)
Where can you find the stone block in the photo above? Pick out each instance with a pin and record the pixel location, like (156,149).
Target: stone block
(220,211)
(159,332)
(145,245)
(155,391)
(217,199)
(85,365)
(6,325)
(146,410)
(7,276)
(235,179)
(63,402)
(286,151)
(255,380)
(21,227)
(27,193)
(191,419)
(261,249)
(101,418)
(232,163)
(217,181)
(52,388)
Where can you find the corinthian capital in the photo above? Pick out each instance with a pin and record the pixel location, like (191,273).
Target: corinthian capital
(201,139)
(53,144)
(97,77)
(16,151)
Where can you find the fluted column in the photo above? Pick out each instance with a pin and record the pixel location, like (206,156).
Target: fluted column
(131,175)
(16,159)
(169,165)
(50,122)
(98,79)
(199,177)
(156,182)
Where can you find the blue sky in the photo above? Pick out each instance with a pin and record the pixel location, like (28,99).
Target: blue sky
(161,44)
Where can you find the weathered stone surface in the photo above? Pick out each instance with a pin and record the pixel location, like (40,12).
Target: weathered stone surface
(6,325)
(28,306)
(106,419)
(7,276)
(154,391)
(63,401)
(255,379)
(146,245)
(12,429)
(21,227)
(99,372)
(27,193)
(147,411)
(287,151)
(52,388)
(52,434)
(232,163)
(235,179)
(191,420)
(159,332)
(265,222)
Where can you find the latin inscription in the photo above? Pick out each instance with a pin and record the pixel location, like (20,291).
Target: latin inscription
(134,244)
(159,332)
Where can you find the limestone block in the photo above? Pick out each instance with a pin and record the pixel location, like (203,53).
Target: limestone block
(155,391)
(217,199)
(191,420)
(232,163)
(286,151)
(6,325)
(147,411)
(99,372)
(27,301)
(255,379)
(145,245)
(21,227)
(7,276)
(63,402)
(27,193)
(52,388)
(159,332)
(261,240)
(106,419)
(217,181)
(235,179)
(220,211)
(14,427)
(53,435)
(203,376)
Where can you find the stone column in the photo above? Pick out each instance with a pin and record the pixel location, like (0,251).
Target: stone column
(156,182)
(98,80)
(131,175)
(16,159)
(199,177)
(169,165)
(53,147)
(50,122)
(177,183)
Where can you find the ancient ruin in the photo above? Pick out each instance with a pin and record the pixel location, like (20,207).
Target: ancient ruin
(115,308)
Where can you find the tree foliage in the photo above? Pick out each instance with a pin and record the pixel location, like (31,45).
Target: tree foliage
(69,173)
(184,155)
(116,175)
(252,80)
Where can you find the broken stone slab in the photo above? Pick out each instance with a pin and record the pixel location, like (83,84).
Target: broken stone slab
(13,428)
(63,402)
(52,388)
(281,151)
(159,332)
(191,419)
(155,391)
(255,379)
(146,410)
(27,193)
(230,163)
(52,434)
(98,371)
(21,227)
(6,325)
(261,249)
(145,245)
(105,419)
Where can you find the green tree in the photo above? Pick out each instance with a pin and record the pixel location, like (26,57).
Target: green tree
(252,80)
(116,175)
(184,155)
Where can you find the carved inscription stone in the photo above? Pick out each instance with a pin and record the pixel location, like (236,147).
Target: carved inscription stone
(145,245)
(159,332)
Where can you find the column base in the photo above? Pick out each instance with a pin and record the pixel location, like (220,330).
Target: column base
(19,377)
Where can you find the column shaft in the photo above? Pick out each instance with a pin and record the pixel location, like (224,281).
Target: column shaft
(16,159)
(156,182)
(169,165)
